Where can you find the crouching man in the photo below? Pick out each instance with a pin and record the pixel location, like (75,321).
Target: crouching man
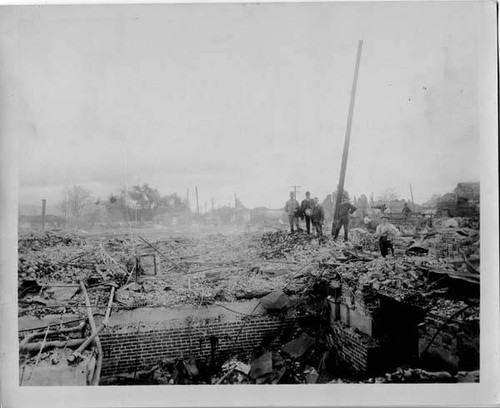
(386,232)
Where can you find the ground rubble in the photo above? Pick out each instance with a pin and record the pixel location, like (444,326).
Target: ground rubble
(204,270)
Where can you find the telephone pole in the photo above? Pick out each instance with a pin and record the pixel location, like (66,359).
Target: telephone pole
(347,139)
(295,190)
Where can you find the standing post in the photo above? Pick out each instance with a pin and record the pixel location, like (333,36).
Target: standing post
(347,139)
(197,202)
(188,206)
(235,204)
(44,203)
(412,200)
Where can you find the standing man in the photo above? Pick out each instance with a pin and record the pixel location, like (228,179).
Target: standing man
(406,212)
(292,209)
(345,210)
(386,232)
(318,216)
(307,209)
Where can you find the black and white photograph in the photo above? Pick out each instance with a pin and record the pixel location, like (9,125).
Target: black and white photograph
(298,195)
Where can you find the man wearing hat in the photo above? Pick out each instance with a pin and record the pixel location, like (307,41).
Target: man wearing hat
(345,209)
(317,218)
(307,210)
(386,232)
(292,209)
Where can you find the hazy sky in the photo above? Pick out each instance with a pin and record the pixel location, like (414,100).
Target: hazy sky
(246,99)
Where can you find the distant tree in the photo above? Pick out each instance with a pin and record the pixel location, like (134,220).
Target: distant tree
(76,202)
(388,195)
(117,209)
(76,199)
(432,202)
(148,199)
(150,202)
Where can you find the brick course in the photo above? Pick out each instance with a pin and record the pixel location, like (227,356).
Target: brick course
(127,350)
(357,351)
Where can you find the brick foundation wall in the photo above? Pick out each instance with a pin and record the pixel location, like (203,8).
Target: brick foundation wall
(358,352)
(143,345)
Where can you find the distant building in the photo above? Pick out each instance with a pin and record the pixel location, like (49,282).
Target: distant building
(462,202)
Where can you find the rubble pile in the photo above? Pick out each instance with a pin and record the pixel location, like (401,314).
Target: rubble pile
(283,245)
(397,279)
(172,271)
(38,241)
(459,309)
(417,375)
(214,268)
(189,270)
(296,362)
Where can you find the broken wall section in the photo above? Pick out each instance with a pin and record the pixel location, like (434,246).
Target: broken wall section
(372,333)
(138,345)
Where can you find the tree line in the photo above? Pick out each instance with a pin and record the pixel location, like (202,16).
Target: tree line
(138,203)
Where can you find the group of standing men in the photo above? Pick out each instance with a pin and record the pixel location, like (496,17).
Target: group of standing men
(309,210)
(313,213)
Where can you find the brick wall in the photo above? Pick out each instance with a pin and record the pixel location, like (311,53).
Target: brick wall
(358,352)
(143,345)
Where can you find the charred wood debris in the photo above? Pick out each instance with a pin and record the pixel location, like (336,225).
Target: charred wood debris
(436,270)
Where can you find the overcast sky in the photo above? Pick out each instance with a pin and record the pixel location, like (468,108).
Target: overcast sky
(242,99)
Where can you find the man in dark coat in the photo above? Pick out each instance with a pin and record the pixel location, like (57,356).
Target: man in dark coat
(406,212)
(345,209)
(317,218)
(306,207)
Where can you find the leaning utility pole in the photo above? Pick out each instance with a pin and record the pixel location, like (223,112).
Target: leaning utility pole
(197,202)
(347,139)
(412,200)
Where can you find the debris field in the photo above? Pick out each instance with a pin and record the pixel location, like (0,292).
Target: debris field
(158,269)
